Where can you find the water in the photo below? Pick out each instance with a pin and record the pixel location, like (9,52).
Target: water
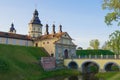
(81,77)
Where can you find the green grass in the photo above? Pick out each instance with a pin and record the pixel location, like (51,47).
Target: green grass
(109,75)
(21,63)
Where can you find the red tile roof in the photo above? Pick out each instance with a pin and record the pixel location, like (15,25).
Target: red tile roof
(50,36)
(16,36)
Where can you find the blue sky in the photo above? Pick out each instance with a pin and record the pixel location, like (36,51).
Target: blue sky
(82,19)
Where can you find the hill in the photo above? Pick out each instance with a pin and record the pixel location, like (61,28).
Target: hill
(22,63)
(17,62)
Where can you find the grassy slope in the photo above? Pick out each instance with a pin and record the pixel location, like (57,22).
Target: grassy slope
(109,75)
(21,63)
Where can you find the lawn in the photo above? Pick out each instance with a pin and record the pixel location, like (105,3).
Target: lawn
(22,63)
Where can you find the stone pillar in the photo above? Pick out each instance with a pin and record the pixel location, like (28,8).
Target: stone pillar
(79,56)
(95,56)
(53,29)
(46,32)
(60,28)
(118,56)
(106,56)
(101,56)
(115,56)
(89,56)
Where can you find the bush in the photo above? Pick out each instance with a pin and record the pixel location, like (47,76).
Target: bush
(115,68)
(93,69)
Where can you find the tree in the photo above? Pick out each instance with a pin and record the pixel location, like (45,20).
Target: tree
(94,44)
(114,15)
(89,48)
(114,42)
(106,46)
(80,48)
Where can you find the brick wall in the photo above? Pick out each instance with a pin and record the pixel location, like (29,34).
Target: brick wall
(48,63)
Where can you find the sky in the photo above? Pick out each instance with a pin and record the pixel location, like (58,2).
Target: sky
(83,20)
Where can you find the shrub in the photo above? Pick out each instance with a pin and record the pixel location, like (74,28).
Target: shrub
(93,69)
(115,68)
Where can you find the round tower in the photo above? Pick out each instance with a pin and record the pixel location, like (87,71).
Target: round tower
(35,26)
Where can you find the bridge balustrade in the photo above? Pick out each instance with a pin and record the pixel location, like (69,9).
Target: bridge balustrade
(99,56)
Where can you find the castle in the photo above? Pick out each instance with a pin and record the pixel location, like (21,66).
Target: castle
(57,44)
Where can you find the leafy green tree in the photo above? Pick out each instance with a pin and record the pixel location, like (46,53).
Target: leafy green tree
(94,44)
(89,48)
(114,42)
(114,14)
(106,46)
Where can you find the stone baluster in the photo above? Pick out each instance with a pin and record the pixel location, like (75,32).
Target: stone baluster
(86,56)
(101,56)
(95,56)
(115,56)
(106,56)
(89,56)
(79,56)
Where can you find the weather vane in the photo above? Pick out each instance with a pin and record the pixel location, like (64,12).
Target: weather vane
(35,5)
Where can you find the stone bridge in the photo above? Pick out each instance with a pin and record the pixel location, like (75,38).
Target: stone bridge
(102,63)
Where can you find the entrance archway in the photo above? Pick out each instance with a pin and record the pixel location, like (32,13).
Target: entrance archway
(111,67)
(66,53)
(90,67)
(36,44)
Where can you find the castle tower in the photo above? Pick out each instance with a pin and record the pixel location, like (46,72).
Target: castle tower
(12,29)
(35,26)
(46,32)
(60,28)
(53,29)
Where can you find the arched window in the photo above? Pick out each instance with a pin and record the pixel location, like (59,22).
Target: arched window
(36,44)
(52,55)
(66,53)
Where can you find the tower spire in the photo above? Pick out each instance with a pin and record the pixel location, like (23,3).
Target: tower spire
(53,29)
(35,26)
(12,29)
(35,19)
(46,32)
(60,28)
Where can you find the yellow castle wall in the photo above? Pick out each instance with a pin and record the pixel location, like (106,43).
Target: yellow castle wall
(48,44)
(15,41)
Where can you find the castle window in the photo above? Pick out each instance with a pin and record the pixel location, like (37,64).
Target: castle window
(38,35)
(43,42)
(36,44)
(52,55)
(33,35)
(38,29)
(26,43)
(47,42)
(14,41)
(34,29)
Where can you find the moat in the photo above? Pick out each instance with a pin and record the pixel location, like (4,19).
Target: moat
(79,77)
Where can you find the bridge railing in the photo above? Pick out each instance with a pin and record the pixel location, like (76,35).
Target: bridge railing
(99,56)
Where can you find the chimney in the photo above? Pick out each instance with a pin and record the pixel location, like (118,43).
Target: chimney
(46,32)
(53,30)
(60,28)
